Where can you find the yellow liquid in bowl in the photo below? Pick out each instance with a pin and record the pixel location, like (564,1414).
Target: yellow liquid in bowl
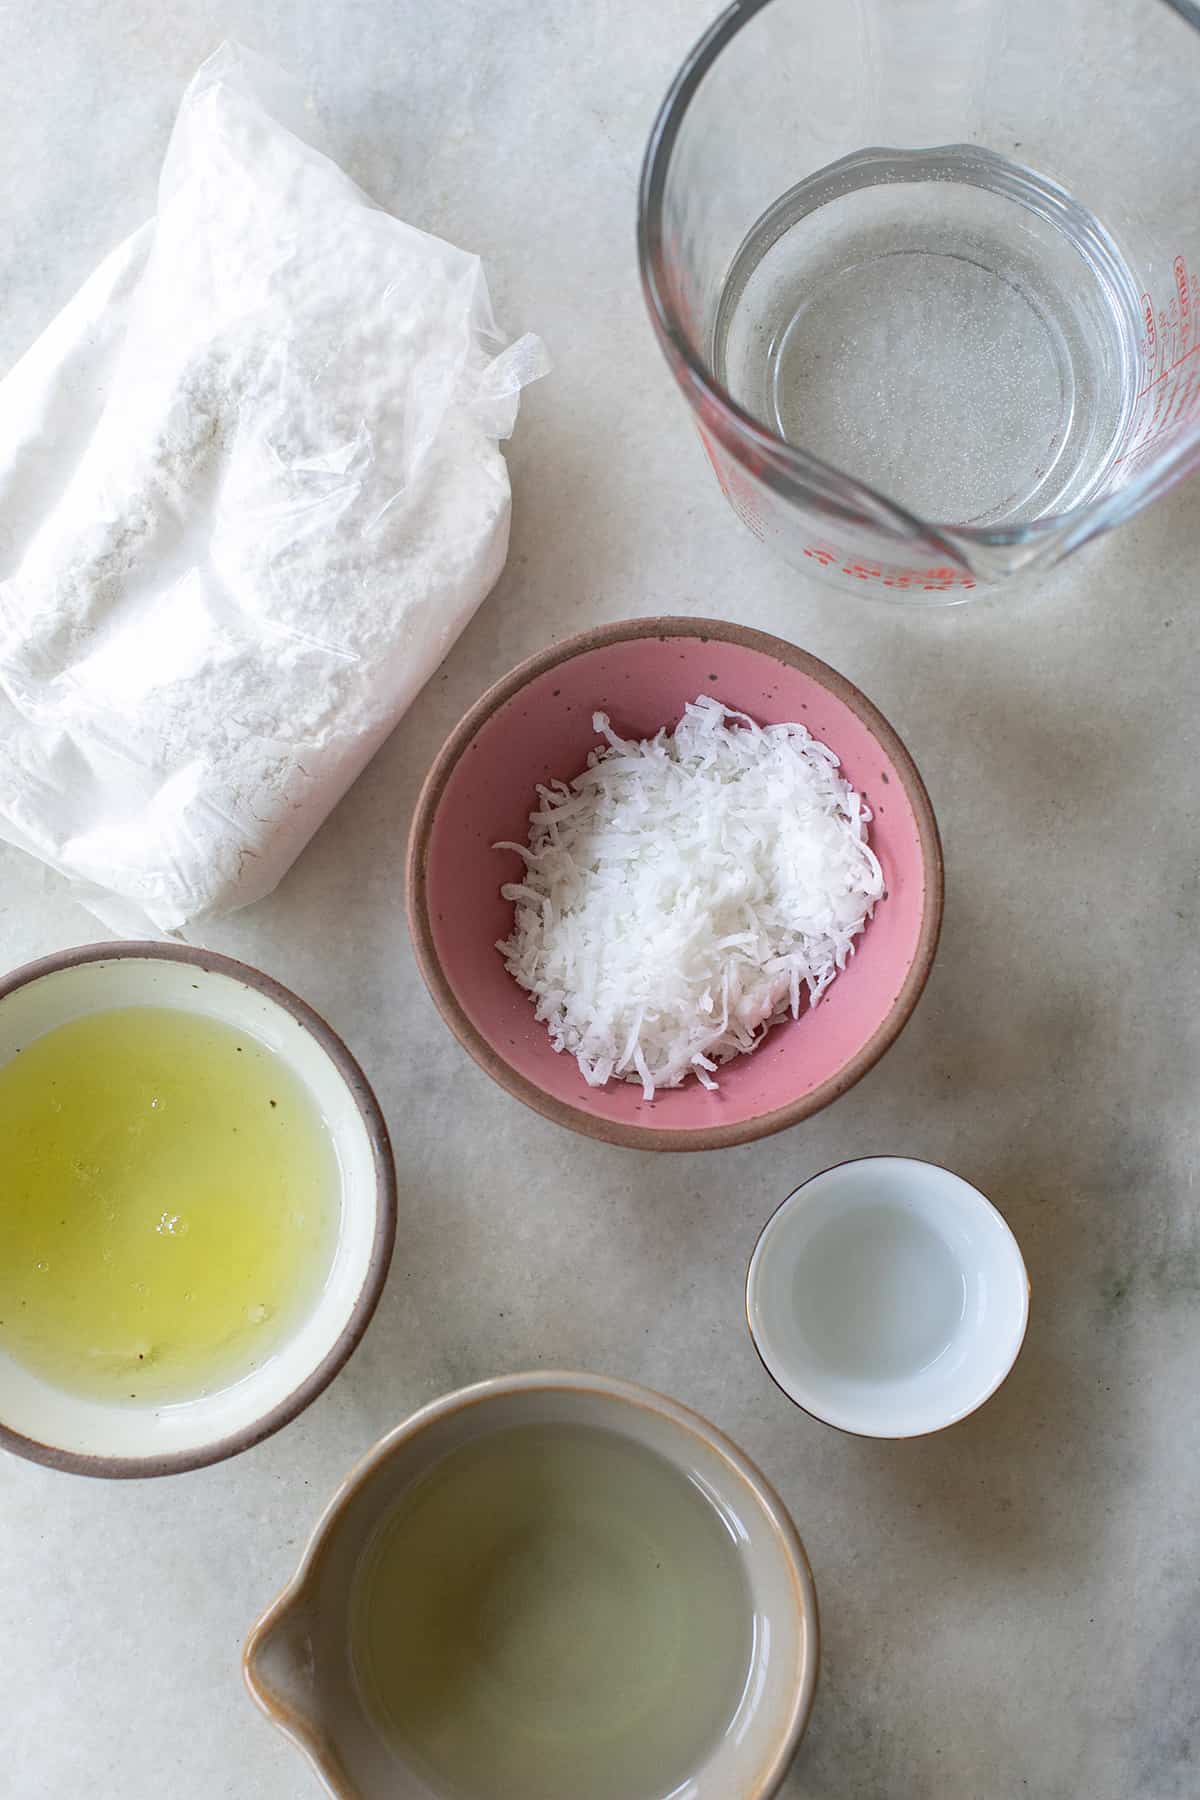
(169,1201)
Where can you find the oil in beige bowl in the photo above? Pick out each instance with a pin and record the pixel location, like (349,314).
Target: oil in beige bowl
(168,1204)
(552,1610)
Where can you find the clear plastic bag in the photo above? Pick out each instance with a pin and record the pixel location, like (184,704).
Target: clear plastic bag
(250,493)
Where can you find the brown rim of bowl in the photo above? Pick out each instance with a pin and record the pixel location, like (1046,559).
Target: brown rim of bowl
(879,1437)
(315,1745)
(131,1467)
(653,1137)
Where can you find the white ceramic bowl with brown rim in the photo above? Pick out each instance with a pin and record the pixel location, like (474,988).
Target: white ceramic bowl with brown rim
(299,1663)
(49,1424)
(536,725)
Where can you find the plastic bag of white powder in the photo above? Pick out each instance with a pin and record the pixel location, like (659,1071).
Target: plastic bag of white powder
(250,493)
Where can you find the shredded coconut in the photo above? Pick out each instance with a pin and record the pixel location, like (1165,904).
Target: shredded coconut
(687,892)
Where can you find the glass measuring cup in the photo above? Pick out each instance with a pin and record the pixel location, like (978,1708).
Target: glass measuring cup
(928,273)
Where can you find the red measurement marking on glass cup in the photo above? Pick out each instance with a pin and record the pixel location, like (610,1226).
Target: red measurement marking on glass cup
(735,487)
(937,580)
(1170,392)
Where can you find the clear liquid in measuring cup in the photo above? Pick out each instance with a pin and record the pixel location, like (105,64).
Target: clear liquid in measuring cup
(944,325)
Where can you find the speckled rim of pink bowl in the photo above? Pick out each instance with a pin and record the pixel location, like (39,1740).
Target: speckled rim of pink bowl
(649,1137)
(136,1467)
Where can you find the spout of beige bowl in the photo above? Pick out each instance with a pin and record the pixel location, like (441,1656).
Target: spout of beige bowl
(279,1666)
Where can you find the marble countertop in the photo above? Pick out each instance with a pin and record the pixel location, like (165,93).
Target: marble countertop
(1010,1609)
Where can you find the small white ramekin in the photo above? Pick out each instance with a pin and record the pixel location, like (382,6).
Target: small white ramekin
(956,1222)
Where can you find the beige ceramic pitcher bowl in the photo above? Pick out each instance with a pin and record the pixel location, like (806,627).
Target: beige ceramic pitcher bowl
(298,1662)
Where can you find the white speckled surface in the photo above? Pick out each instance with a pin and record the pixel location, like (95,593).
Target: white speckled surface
(1010,1609)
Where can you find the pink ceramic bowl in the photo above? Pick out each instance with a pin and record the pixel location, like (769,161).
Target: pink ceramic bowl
(536,724)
